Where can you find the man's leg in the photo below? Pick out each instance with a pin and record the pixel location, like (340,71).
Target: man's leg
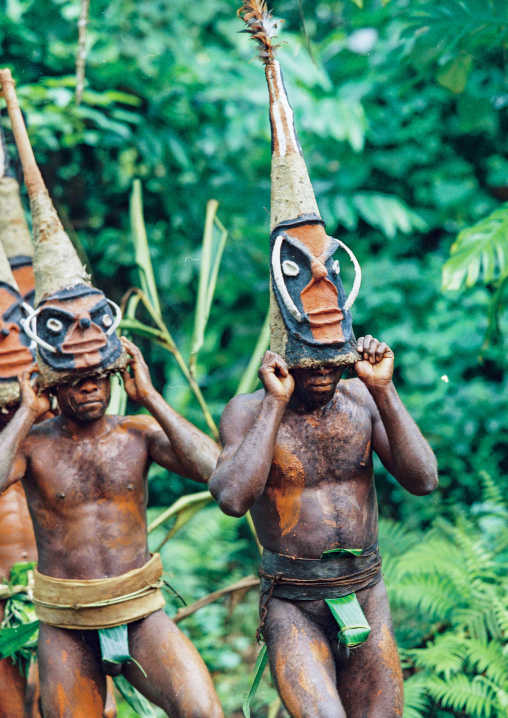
(12,685)
(73,684)
(301,658)
(370,680)
(177,679)
(12,690)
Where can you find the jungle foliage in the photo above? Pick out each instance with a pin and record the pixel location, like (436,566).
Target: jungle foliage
(401,112)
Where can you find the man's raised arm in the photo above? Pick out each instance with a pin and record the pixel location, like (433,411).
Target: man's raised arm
(180,446)
(397,439)
(248,432)
(12,460)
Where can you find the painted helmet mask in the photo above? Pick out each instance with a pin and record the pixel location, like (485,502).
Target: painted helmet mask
(17,353)
(75,329)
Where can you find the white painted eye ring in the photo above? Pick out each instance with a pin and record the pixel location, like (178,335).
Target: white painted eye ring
(107,320)
(336,267)
(54,325)
(290,268)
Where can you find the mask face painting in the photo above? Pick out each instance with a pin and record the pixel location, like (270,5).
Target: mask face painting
(15,354)
(309,291)
(23,272)
(75,329)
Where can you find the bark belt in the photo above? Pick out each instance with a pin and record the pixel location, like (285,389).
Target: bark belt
(102,602)
(310,579)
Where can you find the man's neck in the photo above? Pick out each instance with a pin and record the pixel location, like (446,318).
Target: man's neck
(84,430)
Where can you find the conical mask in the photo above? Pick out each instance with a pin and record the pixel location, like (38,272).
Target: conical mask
(73,323)
(310,318)
(14,233)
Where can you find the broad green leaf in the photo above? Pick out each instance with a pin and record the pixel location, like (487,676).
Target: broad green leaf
(479,250)
(358,3)
(12,639)
(353,626)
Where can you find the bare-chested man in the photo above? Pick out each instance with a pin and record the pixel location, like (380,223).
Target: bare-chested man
(85,474)
(298,454)
(17,543)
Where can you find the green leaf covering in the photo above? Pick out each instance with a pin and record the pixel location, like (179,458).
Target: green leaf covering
(115,646)
(258,672)
(134,698)
(342,552)
(14,639)
(354,629)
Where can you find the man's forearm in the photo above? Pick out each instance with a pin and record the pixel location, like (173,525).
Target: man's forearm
(11,439)
(196,452)
(414,463)
(238,482)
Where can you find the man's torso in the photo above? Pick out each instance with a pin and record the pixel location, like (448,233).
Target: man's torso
(320,493)
(87,499)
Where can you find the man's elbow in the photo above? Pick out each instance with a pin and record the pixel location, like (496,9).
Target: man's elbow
(229,504)
(426,484)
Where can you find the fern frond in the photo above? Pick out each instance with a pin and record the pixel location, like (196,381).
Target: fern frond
(261,26)
(446,655)
(475,697)
(491,492)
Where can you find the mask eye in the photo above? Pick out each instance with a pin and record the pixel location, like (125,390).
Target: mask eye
(54,325)
(107,320)
(290,268)
(336,267)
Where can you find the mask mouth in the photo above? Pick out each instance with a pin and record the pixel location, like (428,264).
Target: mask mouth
(84,345)
(14,361)
(325,317)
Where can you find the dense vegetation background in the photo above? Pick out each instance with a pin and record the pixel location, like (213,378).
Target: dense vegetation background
(401,113)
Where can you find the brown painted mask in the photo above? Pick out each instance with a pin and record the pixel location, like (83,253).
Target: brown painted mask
(23,272)
(15,353)
(309,292)
(75,329)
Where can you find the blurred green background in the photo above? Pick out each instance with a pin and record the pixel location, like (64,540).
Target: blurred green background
(401,112)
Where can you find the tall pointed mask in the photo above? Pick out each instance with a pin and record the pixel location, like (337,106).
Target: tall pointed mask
(16,350)
(14,232)
(73,323)
(310,318)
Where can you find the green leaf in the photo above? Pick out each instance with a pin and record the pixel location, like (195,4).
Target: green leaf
(142,251)
(358,3)
(479,250)
(12,639)
(134,698)
(354,628)
(454,74)
(259,668)
(342,552)
(249,380)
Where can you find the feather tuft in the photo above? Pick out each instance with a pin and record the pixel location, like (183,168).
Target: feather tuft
(261,26)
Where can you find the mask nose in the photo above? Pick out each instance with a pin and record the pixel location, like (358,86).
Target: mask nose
(4,331)
(85,323)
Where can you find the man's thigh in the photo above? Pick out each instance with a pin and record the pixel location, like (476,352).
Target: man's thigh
(370,680)
(177,679)
(12,690)
(73,684)
(301,659)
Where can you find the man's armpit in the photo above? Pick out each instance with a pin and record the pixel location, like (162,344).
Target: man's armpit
(18,469)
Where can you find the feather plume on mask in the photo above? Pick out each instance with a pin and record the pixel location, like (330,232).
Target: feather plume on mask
(261,26)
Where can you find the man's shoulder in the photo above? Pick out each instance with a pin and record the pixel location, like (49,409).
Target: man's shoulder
(245,403)
(135,423)
(355,390)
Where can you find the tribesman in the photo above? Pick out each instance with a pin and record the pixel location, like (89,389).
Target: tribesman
(97,590)
(19,683)
(298,455)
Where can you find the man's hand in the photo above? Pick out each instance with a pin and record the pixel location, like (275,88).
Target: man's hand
(139,387)
(36,405)
(275,377)
(376,368)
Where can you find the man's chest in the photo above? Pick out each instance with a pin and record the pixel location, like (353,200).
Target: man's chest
(82,471)
(323,446)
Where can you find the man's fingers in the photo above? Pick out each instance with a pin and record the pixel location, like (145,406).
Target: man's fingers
(359,345)
(382,347)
